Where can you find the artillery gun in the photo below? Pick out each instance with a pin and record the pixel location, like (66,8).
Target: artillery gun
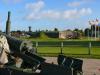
(17,45)
(25,50)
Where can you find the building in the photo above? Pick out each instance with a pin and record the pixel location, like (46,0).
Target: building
(19,34)
(68,34)
(30,29)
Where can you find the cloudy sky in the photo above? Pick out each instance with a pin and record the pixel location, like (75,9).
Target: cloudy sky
(49,14)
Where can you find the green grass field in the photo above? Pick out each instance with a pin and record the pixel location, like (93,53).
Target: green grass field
(73,51)
(72,47)
(95,50)
(65,50)
(69,50)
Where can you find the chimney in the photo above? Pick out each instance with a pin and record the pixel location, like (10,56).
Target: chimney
(8,23)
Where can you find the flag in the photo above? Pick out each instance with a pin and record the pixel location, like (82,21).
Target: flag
(91,22)
(97,20)
(99,24)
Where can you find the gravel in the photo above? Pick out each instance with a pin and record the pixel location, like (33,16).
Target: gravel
(90,66)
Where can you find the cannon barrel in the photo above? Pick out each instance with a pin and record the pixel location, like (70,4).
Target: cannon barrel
(17,45)
(23,49)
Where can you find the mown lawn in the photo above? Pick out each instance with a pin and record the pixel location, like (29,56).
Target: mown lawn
(78,52)
(75,50)
(95,50)
(48,50)
(72,47)
(68,50)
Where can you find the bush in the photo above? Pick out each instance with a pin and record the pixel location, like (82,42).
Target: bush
(43,35)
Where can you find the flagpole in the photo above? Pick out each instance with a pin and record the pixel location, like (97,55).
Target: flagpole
(88,34)
(98,32)
(97,23)
(95,31)
(92,32)
(91,28)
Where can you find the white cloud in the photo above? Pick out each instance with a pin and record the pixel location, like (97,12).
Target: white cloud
(85,11)
(37,12)
(51,14)
(78,3)
(68,14)
(11,1)
(75,4)
(33,16)
(75,13)
(35,7)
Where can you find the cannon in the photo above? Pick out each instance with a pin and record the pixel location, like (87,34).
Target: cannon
(69,62)
(17,45)
(24,50)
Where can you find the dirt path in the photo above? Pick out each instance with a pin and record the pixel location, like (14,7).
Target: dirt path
(90,66)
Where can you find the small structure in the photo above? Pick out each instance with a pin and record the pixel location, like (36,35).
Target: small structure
(8,24)
(30,29)
(68,34)
(19,34)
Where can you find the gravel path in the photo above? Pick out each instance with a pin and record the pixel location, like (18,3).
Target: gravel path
(90,66)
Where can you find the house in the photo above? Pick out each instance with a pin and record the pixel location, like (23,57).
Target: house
(68,34)
(19,34)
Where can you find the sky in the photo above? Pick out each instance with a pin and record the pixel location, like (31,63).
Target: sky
(49,14)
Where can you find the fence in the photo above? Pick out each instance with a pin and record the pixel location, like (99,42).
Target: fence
(68,47)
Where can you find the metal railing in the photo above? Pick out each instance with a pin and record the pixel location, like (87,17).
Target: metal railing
(67,47)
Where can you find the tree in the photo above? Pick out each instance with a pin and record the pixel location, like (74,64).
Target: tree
(18,31)
(43,35)
(56,29)
(0,31)
(46,30)
(76,29)
(87,32)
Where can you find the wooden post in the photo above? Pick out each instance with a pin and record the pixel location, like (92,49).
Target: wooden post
(89,50)
(36,46)
(61,47)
